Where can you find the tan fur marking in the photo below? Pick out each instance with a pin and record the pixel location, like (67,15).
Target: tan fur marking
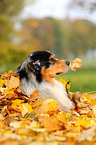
(52,57)
(50,73)
(30,66)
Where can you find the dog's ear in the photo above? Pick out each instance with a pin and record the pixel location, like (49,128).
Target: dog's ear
(34,66)
(30,66)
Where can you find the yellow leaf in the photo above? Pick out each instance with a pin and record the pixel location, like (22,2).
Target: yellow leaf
(38,102)
(71,134)
(1,83)
(16,124)
(61,80)
(8,91)
(53,105)
(61,116)
(84,122)
(48,105)
(33,124)
(13,82)
(92,102)
(17,102)
(25,108)
(43,109)
(75,64)
(75,128)
(94,109)
(65,83)
(68,86)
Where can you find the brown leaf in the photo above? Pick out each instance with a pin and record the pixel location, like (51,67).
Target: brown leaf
(8,119)
(88,134)
(83,110)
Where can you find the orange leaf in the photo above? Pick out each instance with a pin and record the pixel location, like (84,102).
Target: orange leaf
(53,112)
(35,94)
(51,124)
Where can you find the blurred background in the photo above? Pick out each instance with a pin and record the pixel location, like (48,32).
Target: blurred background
(65,27)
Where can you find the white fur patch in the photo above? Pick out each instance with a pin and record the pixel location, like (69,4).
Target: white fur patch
(46,89)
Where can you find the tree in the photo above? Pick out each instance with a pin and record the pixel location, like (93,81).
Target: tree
(9,9)
(89,6)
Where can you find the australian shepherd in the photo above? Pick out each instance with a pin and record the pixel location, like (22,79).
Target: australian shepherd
(39,71)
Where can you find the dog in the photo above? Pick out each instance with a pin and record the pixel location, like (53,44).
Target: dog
(39,71)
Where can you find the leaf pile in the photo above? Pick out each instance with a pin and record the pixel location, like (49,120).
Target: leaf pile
(27,120)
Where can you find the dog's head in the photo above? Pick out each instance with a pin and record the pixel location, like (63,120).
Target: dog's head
(43,65)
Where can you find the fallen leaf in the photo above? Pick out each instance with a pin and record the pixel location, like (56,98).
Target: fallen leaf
(53,112)
(16,103)
(16,124)
(65,83)
(8,91)
(38,102)
(51,124)
(25,108)
(48,105)
(10,82)
(94,109)
(52,105)
(31,120)
(35,94)
(84,122)
(1,83)
(88,134)
(62,116)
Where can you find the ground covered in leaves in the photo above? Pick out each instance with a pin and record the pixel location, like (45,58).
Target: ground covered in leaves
(29,121)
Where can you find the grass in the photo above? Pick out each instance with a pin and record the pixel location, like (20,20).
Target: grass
(81,80)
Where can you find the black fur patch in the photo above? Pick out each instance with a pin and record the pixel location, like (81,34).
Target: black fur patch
(42,58)
(39,77)
(23,73)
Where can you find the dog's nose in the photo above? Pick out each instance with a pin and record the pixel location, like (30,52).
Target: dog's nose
(67,62)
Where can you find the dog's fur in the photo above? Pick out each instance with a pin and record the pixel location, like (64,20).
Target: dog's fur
(39,71)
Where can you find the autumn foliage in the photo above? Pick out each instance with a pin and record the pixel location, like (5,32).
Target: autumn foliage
(29,120)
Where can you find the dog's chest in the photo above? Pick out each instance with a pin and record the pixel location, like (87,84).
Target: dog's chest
(27,86)
(46,89)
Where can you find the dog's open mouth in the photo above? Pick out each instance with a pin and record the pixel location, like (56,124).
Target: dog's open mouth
(58,73)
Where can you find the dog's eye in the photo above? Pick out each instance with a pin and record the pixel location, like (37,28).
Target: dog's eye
(52,60)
